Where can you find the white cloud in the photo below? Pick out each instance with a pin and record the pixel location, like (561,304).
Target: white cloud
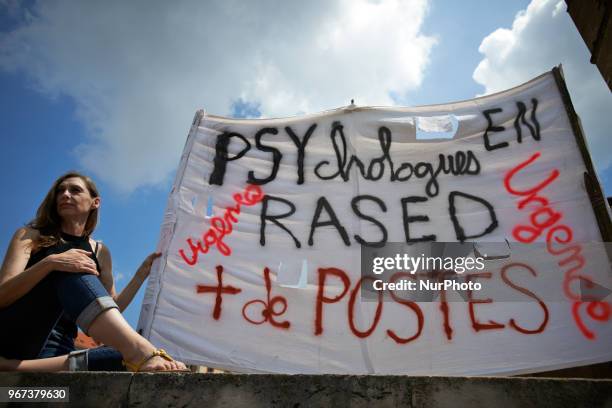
(138,71)
(541,37)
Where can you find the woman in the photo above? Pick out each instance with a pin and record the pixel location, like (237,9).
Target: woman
(54,276)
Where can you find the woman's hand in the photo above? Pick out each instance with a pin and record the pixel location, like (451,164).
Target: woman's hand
(129,291)
(145,268)
(74,260)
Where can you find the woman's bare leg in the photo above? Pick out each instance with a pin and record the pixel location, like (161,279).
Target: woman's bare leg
(111,329)
(44,364)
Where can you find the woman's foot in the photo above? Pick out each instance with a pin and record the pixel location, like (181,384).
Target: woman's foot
(110,328)
(156,360)
(159,364)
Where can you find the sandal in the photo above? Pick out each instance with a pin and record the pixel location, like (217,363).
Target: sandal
(135,367)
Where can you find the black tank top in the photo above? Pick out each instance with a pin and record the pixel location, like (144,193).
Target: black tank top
(65,326)
(67,243)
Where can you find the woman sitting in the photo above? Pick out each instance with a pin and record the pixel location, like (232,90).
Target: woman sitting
(55,277)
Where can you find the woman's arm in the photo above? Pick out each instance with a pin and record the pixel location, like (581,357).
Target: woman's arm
(124,298)
(16,281)
(106,271)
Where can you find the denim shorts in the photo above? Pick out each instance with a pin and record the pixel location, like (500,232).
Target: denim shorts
(58,344)
(61,342)
(31,319)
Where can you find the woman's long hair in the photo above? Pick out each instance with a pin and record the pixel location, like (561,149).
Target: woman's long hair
(48,222)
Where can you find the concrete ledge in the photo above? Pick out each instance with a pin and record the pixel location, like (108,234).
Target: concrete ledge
(230,390)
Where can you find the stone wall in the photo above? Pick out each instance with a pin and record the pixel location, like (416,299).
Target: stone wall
(234,390)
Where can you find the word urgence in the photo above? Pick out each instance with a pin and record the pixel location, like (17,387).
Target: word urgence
(222,226)
(544,218)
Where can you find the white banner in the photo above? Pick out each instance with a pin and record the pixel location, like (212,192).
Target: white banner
(264,225)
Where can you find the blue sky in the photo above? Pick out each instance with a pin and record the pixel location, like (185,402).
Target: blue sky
(111,91)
